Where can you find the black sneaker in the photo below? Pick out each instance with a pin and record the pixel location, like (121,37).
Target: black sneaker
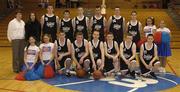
(153,75)
(68,74)
(133,74)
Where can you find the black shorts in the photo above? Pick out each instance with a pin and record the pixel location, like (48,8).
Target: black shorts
(61,62)
(123,65)
(144,69)
(108,64)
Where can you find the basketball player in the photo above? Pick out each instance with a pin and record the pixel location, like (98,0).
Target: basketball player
(98,23)
(81,23)
(63,53)
(96,49)
(116,24)
(111,55)
(134,27)
(66,25)
(148,55)
(49,23)
(128,54)
(80,52)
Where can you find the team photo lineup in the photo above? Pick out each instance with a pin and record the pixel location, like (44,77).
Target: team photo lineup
(82,46)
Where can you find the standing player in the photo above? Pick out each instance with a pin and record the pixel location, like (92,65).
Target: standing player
(98,23)
(116,24)
(128,55)
(134,28)
(149,55)
(81,23)
(96,49)
(49,23)
(80,52)
(63,53)
(66,25)
(111,50)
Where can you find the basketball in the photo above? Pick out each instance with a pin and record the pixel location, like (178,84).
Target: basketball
(157,37)
(80,73)
(97,74)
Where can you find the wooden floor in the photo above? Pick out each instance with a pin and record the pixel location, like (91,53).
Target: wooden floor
(8,84)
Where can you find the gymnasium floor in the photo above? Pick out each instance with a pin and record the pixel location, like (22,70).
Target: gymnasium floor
(8,84)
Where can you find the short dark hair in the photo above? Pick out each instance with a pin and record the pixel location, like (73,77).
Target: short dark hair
(117,7)
(128,34)
(149,35)
(18,11)
(79,33)
(66,11)
(95,31)
(110,33)
(133,12)
(98,7)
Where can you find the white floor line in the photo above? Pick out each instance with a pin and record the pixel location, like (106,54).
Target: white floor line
(73,83)
(132,90)
(168,80)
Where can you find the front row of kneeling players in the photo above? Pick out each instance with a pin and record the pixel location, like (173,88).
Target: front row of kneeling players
(107,57)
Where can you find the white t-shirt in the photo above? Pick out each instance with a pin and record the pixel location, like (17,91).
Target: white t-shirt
(31,53)
(47,50)
(165,29)
(150,29)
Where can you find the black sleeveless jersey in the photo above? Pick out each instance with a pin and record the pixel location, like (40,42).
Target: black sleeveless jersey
(80,26)
(134,30)
(96,50)
(50,25)
(62,49)
(67,27)
(99,26)
(116,27)
(79,51)
(127,51)
(148,55)
(111,50)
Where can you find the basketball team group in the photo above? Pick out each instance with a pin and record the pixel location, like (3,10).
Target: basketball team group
(112,47)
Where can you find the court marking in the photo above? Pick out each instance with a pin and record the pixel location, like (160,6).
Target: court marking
(73,83)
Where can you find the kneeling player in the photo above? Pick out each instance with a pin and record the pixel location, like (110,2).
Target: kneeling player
(63,52)
(96,50)
(128,53)
(111,55)
(80,52)
(148,55)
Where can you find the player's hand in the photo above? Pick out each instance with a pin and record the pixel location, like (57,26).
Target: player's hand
(79,66)
(94,66)
(81,61)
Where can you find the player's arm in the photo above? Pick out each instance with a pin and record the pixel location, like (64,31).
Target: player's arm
(133,52)
(105,51)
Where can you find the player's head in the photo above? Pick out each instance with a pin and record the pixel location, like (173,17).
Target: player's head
(79,36)
(150,21)
(80,11)
(96,34)
(61,34)
(150,38)
(133,15)
(50,9)
(162,24)
(129,37)
(66,13)
(110,36)
(18,14)
(117,10)
(98,10)
(46,38)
